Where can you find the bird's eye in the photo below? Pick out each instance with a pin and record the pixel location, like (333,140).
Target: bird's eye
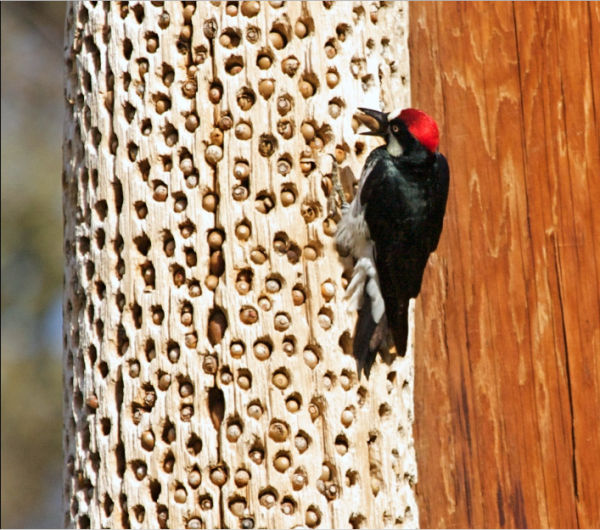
(395,128)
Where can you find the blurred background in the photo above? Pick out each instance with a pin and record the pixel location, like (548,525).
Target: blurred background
(32,114)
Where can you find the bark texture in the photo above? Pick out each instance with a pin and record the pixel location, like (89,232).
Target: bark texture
(508,325)
(208,375)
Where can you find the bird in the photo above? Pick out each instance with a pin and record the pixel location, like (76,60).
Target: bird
(392,225)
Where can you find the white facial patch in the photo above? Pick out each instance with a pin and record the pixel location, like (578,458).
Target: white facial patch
(393,146)
(394,114)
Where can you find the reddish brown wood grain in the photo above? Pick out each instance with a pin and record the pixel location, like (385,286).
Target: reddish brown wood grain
(508,323)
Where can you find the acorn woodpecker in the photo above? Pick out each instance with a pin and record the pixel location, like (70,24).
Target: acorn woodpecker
(392,225)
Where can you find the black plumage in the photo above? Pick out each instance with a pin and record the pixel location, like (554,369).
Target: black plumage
(404,199)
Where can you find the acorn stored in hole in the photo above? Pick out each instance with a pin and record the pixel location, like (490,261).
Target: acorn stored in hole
(292,405)
(210,364)
(210,202)
(234,431)
(243,131)
(217,325)
(213,154)
(249,315)
(241,170)
(243,232)
(250,9)
(277,40)
(160,193)
(255,411)
(257,456)
(164,382)
(332,79)
(306,89)
(244,382)
(307,131)
(148,440)
(287,198)
(215,240)
(298,297)
(280,380)
(266,87)
(218,476)
(262,351)
(278,432)
(282,463)
(300,29)
(264,62)
(211,282)
(282,322)
(258,257)
(347,418)
(310,358)
(192,122)
(241,478)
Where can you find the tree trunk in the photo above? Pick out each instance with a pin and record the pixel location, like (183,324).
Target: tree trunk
(208,375)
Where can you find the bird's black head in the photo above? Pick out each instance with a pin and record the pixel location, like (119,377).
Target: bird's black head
(405,131)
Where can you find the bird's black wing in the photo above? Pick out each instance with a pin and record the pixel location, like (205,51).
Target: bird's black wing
(439,198)
(404,212)
(390,220)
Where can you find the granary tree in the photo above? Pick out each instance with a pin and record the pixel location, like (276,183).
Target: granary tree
(209,381)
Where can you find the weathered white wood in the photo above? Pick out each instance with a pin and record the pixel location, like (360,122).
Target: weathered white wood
(128,132)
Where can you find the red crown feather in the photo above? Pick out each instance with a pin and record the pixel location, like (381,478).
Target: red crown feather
(422,127)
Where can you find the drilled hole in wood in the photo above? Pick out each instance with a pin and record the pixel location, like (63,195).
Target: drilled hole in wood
(243,282)
(241,192)
(230,38)
(187,228)
(173,351)
(325,318)
(293,403)
(294,253)
(234,64)
(281,242)
(285,128)
(245,98)
(253,34)
(168,243)
(244,379)
(289,346)
(308,85)
(171,135)
(343,31)
(231,8)
(152,42)
(284,165)
(217,325)
(127,48)
(265,202)
(216,406)
(143,244)
(148,274)
(281,378)
(288,195)
(129,111)
(136,314)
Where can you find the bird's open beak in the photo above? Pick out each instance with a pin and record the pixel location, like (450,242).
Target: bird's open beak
(376,121)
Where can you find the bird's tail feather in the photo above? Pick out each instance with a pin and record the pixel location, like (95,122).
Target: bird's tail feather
(369,336)
(365,327)
(397,315)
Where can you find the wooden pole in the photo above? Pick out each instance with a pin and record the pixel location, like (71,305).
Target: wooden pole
(208,375)
(507,385)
